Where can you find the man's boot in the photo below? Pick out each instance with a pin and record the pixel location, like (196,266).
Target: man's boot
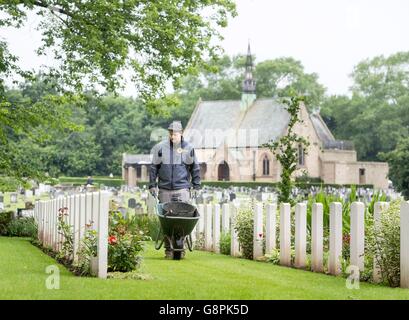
(168,252)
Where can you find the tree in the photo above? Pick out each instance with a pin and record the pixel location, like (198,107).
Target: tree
(376,115)
(33,119)
(279,76)
(275,78)
(94,42)
(398,161)
(286,147)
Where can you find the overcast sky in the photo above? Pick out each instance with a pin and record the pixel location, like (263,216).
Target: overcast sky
(328,37)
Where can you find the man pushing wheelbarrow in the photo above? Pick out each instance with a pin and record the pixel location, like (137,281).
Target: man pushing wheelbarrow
(175,165)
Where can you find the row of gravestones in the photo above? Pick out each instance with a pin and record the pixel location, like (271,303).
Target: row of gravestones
(21,212)
(13,199)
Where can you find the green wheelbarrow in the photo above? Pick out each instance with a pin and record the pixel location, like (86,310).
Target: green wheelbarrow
(177,221)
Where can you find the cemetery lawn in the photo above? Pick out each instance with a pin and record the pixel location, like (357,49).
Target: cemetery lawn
(202,275)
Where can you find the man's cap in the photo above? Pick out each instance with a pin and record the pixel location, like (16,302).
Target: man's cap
(175,126)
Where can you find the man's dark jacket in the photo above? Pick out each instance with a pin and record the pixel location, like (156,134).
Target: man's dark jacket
(174,165)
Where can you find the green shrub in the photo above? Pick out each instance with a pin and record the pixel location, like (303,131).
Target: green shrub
(244,226)
(149,224)
(52,181)
(5,218)
(383,243)
(124,252)
(8,184)
(274,256)
(88,249)
(67,233)
(225,243)
(109,182)
(22,227)
(307,179)
(199,242)
(125,243)
(274,185)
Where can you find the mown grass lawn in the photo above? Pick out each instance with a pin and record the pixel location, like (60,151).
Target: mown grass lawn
(201,275)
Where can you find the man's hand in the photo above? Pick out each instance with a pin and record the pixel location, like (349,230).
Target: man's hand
(153,192)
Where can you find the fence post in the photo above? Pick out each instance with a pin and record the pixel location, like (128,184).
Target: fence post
(88,208)
(285,234)
(65,205)
(95,208)
(271,210)
(234,249)
(258,231)
(357,235)
(378,208)
(404,244)
(300,235)
(48,212)
(81,219)
(216,228)
(317,237)
(103,205)
(200,223)
(208,227)
(55,238)
(335,238)
(225,218)
(75,227)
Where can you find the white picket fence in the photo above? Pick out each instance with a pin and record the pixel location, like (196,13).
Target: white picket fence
(209,227)
(91,208)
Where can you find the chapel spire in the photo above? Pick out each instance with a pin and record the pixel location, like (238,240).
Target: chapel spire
(249,84)
(248,95)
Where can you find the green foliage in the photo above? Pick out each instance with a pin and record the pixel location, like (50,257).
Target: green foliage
(225,243)
(274,256)
(200,242)
(326,200)
(22,227)
(88,249)
(375,117)
(244,226)
(8,184)
(5,218)
(76,181)
(94,42)
(124,255)
(157,42)
(134,275)
(280,76)
(398,160)
(254,185)
(285,148)
(149,224)
(125,243)
(67,233)
(383,243)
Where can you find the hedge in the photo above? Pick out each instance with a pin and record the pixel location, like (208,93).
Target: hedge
(109,182)
(255,184)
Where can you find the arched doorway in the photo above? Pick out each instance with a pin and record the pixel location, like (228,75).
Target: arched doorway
(223,172)
(203,169)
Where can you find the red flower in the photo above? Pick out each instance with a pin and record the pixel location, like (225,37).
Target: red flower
(112,240)
(260,235)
